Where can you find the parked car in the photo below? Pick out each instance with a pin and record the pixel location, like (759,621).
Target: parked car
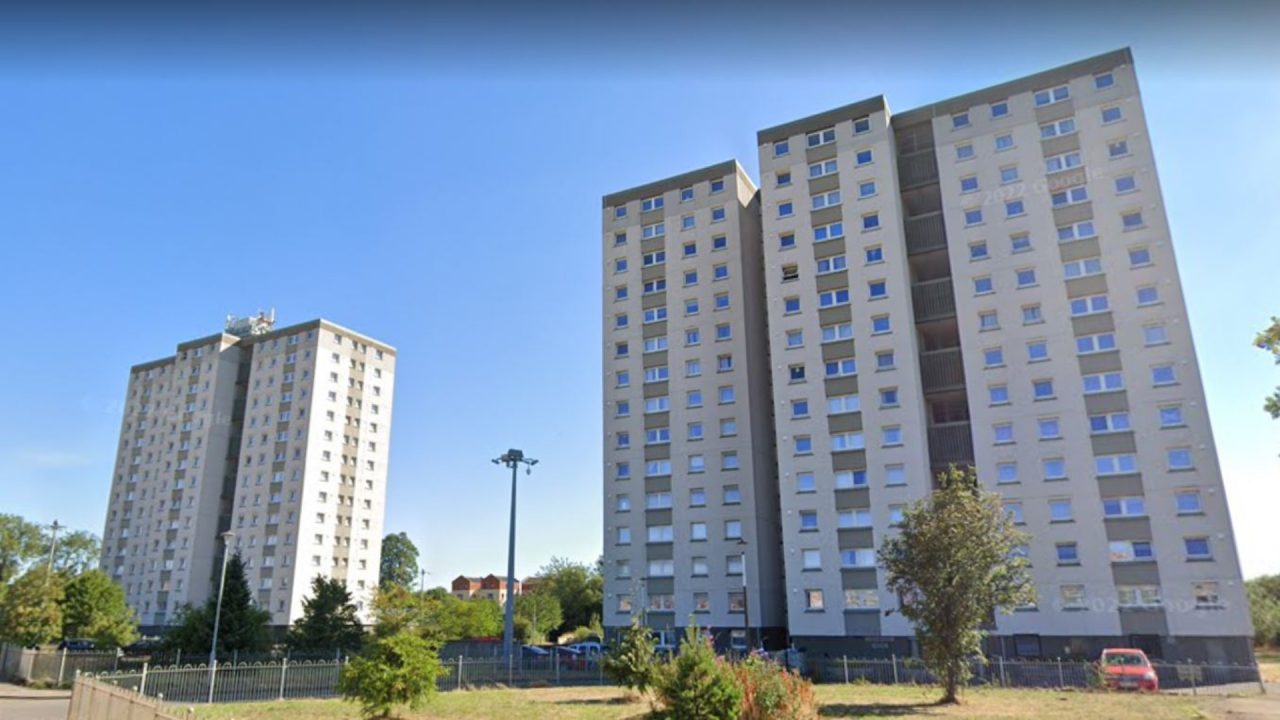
(533,651)
(1128,669)
(77,645)
(571,659)
(589,650)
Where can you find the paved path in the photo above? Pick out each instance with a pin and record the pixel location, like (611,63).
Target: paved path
(20,703)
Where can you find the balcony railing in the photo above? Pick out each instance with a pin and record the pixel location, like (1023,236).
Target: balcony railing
(925,233)
(950,442)
(918,168)
(933,300)
(941,370)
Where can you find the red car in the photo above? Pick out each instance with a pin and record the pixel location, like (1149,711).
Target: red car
(1128,669)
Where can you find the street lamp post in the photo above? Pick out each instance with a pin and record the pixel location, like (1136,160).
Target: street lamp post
(513,459)
(53,546)
(217,613)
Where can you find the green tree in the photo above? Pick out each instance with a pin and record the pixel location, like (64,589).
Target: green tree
(77,552)
(399,562)
(400,669)
(20,543)
(328,619)
(95,608)
(579,588)
(537,614)
(633,663)
(697,685)
(435,616)
(953,565)
(32,610)
(1264,606)
(243,627)
(1269,340)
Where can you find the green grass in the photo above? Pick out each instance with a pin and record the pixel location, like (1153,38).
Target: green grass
(1268,663)
(850,701)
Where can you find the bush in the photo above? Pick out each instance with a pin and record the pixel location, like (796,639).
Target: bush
(770,692)
(633,663)
(400,669)
(697,685)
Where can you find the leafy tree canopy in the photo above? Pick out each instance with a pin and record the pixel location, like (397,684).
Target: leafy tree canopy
(537,614)
(95,608)
(578,587)
(32,610)
(243,627)
(328,621)
(399,562)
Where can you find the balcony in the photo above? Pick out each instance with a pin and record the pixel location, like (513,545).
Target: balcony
(918,168)
(950,443)
(933,300)
(941,370)
(925,233)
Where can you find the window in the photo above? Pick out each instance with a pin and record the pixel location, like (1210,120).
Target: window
(1076,231)
(999,109)
(1163,375)
(1197,548)
(796,372)
(862,157)
(693,399)
(621,349)
(783,179)
(1171,416)
(653,203)
(969,183)
(620,320)
(840,331)
(1119,551)
(785,209)
(1139,257)
(858,557)
(1065,126)
(804,445)
(866,188)
(805,482)
(698,531)
(1065,161)
(824,200)
(1070,196)
(732,529)
(1101,342)
(1082,268)
(660,534)
(982,285)
(1008,174)
(1026,277)
(620,292)
(719,242)
(895,475)
(1115,464)
(656,374)
(1072,597)
(1054,468)
(1154,335)
(653,258)
(1060,510)
(832,264)
(1138,595)
(964,151)
(787,240)
(624,440)
(697,464)
(1089,305)
(892,436)
(845,479)
(861,125)
(819,169)
(1103,80)
(717,186)
(1109,422)
(811,559)
(1148,295)
(993,357)
(1123,507)
(1179,458)
(889,397)
(880,324)
(988,320)
(1004,141)
(973,216)
(692,368)
(884,360)
(657,468)
(1050,428)
(871,221)
(1206,594)
(1117,148)
(1014,510)
(720,272)
(687,223)
(841,442)
(653,231)
(978,250)
(998,394)
(960,120)
(831,298)
(843,404)
(1037,350)
(624,536)
(828,232)
(695,431)
(813,600)
(726,395)
(1020,242)
(841,368)
(821,137)
(861,599)
(1002,433)
(729,460)
(795,338)
(1068,553)
(653,315)
(1125,184)
(620,212)
(1188,502)
(781,148)
(1052,95)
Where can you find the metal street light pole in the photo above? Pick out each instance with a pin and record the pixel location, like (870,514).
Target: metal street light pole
(513,459)
(53,545)
(217,613)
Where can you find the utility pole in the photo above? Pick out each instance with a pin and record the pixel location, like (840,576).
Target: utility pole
(513,459)
(217,614)
(53,546)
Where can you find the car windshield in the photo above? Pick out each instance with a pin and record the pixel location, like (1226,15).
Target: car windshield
(1125,659)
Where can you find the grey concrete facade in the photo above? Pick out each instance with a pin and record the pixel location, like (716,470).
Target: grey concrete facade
(990,280)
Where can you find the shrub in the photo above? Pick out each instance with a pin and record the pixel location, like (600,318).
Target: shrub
(697,685)
(399,669)
(770,692)
(633,663)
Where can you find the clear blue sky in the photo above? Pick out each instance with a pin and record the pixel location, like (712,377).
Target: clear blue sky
(434,179)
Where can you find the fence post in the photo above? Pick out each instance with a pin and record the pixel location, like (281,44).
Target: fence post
(178,660)
(1061,679)
(893,658)
(284,664)
(1004,680)
(1193,680)
(845,660)
(142,685)
(556,650)
(457,685)
(62,665)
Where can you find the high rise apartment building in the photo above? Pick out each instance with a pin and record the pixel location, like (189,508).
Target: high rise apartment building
(281,437)
(987,280)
